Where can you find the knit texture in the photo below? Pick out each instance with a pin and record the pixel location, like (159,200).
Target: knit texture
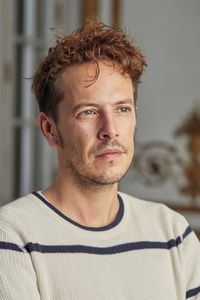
(148,253)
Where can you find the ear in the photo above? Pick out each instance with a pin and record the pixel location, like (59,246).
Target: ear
(48,128)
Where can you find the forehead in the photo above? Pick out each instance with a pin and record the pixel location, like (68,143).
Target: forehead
(88,73)
(88,81)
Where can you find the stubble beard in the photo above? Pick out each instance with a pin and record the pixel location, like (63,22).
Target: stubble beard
(93,182)
(86,179)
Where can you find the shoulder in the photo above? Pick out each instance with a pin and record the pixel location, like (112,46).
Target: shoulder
(19,213)
(145,206)
(155,217)
(17,207)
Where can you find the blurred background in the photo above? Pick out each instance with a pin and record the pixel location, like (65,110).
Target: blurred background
(166,167)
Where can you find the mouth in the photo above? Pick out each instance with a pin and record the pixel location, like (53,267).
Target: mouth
(110,154)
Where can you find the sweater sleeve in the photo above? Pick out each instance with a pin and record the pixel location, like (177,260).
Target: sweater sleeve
(17,275)
(191,262)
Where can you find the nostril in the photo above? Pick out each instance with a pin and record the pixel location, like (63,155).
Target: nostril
(106,136)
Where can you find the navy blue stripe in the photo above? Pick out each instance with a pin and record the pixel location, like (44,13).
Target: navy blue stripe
(34,247)
(113,224)
(192,292)
(187,231)
(10,246)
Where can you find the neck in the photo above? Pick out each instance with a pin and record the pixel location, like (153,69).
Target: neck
(92,207)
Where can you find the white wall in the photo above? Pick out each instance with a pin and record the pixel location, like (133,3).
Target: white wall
(169,34)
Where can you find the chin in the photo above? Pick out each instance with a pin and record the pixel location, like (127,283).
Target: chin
(106,179)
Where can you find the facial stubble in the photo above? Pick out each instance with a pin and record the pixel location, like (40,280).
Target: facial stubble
(87,180)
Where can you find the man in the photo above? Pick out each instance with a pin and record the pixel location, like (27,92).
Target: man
(80,238)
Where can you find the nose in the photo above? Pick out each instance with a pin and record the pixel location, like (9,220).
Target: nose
(108,129)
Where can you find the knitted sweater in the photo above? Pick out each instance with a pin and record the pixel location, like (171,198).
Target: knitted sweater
(148,253)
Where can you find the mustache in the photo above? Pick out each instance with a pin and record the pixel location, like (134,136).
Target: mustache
(111,144)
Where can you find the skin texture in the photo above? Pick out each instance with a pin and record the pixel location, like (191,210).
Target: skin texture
(94,139)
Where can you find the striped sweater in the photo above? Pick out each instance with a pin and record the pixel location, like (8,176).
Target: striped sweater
(148,253)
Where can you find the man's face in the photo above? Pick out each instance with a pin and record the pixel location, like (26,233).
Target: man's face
(96,124)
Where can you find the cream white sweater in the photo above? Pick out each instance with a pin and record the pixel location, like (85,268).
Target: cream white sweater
(148,253)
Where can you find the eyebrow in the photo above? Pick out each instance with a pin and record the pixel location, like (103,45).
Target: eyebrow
(79,106)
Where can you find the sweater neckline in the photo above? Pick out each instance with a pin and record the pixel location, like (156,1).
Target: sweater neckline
(103,228)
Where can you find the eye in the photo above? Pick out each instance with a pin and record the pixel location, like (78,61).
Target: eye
(123,109)
(87,112)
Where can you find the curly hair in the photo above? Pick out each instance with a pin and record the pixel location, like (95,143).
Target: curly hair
(91,43)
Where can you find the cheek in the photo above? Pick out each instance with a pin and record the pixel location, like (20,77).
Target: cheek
(84,141)
(129,129)
(86,132)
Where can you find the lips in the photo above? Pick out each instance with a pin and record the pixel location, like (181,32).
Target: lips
(110,153)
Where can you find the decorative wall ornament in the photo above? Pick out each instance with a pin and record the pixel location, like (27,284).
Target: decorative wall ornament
(191,169)
(157,162)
